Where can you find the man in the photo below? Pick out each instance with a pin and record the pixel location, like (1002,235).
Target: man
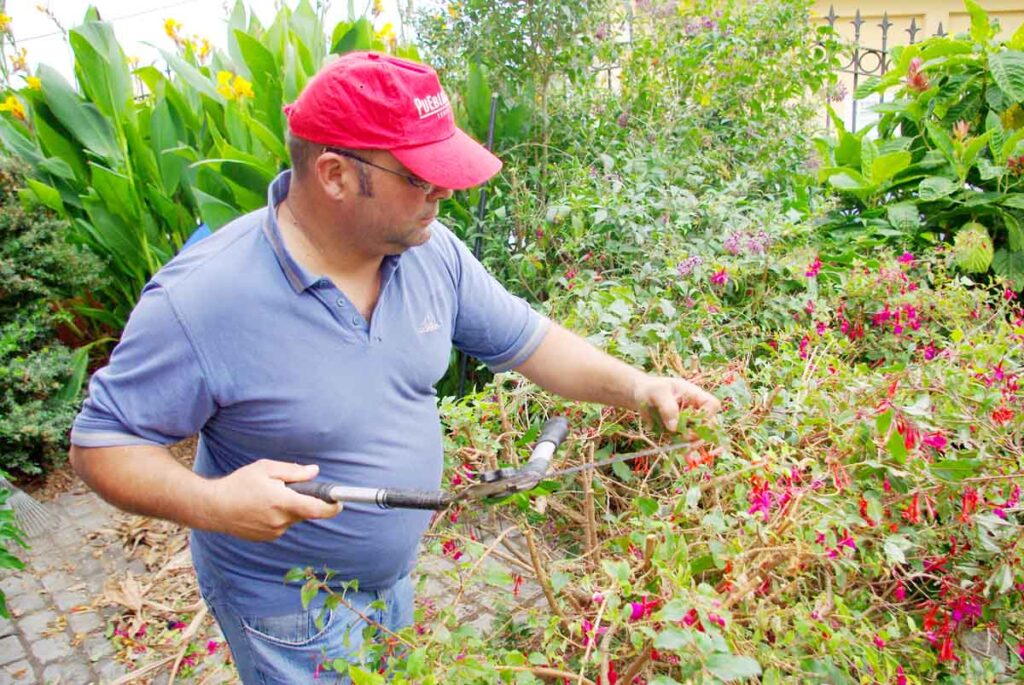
(304,340)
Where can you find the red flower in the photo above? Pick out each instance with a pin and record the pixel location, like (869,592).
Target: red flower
(451,549)
(1002,415)
(968,504)
(946,650)
(916,81)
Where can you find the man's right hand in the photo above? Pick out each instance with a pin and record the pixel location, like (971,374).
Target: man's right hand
(254,503)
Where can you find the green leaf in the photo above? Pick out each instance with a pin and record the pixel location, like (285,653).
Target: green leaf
(884,167)
(81,119)
(647,506)
(622,470)
(259,60)
(617,570)
(478,101)
(972,248)
(883,421)
(673,639)
(897,448)
(355,36)
(935,188)
(213,211)
(309,590)
(848,180)
(1014,232)
(1008,71)
(295,575)
(47,195)
(193,77)
(981,29)
(1009,265)
(102,69)
(732,667)
(895,547)
(904,216)
(955,470)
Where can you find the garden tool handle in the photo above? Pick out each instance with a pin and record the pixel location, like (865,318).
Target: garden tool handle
(385,498)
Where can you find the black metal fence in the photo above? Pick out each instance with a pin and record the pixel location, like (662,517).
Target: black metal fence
(863,61)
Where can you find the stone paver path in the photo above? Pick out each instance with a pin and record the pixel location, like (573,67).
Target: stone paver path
(55,637)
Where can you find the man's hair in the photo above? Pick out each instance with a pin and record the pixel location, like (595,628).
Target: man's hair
(304,153)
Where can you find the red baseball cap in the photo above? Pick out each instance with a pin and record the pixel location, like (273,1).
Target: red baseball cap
(373,101)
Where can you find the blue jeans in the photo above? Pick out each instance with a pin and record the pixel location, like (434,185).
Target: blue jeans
(291,649)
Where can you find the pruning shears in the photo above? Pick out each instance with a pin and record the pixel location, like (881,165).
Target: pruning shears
(490,485)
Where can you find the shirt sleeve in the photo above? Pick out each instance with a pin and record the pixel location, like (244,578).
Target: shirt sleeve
(493,325)
(153,391)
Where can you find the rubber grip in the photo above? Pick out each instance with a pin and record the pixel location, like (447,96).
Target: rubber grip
(313,488)
(413,499)
(555,430)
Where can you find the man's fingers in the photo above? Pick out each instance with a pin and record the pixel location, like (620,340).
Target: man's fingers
(667,405)
(289,472)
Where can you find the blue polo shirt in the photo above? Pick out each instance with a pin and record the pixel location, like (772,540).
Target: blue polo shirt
(233,339)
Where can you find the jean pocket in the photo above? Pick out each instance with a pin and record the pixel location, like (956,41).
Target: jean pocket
(291,630)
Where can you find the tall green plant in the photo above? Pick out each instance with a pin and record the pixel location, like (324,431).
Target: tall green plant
(135,165)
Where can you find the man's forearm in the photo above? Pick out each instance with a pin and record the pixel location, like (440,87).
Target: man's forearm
(568,365)
(145,479)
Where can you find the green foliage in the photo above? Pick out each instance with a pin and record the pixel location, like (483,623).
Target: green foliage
(135,174)
(10,535)
(41,378)
(946,154)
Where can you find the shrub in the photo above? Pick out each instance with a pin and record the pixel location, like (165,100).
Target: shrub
(40,378)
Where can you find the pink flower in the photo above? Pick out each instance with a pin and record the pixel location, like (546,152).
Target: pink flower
(717,620)
(212,646)
(1008,294)
(177,625)
(936,440)
(901,591)
(905,258)
(804,343)
(814,268)
(589,633)
(879,642)
(901,678)
(642,609)
(847,541)
(930,352)
(820,328)
(720,277)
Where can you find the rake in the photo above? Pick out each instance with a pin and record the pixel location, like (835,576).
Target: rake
(32,516)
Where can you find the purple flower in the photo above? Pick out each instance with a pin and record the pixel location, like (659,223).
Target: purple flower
(720,277)
(732,243)
(686,267)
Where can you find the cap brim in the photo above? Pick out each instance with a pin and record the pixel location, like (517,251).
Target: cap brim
(458,162)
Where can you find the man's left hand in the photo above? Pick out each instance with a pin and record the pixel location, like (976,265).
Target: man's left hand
(666,396)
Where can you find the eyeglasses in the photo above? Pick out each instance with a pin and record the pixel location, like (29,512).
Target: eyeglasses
(414,181)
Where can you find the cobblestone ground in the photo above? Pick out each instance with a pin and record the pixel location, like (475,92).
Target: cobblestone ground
(56,637)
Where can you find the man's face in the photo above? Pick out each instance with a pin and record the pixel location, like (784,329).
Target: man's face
(395,212)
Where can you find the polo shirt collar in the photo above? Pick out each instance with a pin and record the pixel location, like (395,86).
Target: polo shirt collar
(298,277)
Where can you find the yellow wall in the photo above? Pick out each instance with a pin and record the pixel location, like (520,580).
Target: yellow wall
(929,14)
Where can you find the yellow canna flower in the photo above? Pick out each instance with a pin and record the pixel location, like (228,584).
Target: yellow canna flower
(242,88)
(378,7)
(224,84)
(205,48)
(171,28)
(34,83)
(5,22)
(14,106)
(386,33)
(453,10)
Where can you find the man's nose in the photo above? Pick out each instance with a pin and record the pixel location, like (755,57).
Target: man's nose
(440,193)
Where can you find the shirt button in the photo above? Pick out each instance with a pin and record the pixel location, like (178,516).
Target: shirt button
(356,321)
(341,302)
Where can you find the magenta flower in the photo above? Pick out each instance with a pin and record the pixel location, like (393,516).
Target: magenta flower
(717,620)
(589,633)
(879,642)
(820,328)
(901,592)
(642,609)
(930,352)
(901,678)
(905,258)
(814,268)
(936,440)
(720,277)
(1009,294)
(212,647)
(804,344)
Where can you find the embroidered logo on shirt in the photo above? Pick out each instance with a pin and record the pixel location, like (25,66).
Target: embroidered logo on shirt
(429,325)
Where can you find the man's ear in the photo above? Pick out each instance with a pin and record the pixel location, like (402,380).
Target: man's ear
(336,178)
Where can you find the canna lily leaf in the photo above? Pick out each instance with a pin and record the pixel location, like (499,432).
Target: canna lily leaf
(81,119)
